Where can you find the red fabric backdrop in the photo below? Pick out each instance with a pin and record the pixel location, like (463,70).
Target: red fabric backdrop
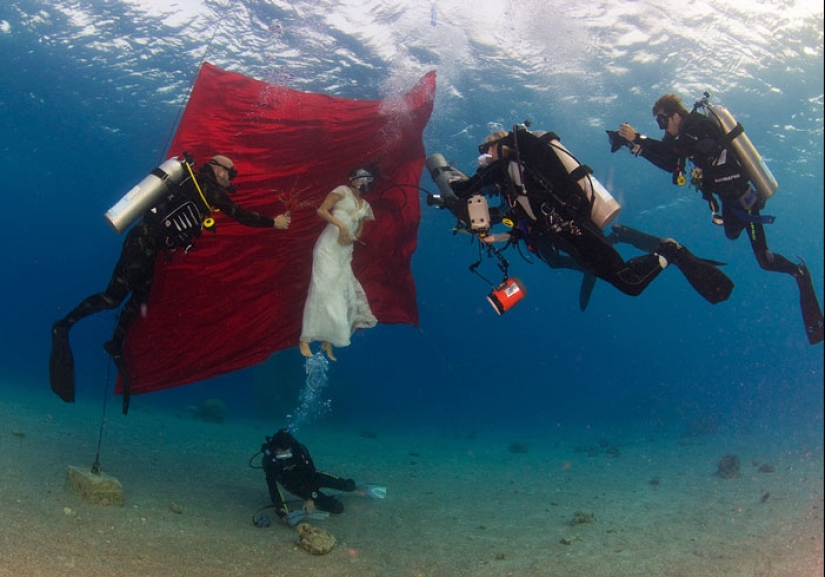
(239,295)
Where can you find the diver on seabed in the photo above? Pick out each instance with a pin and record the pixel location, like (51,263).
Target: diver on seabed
(287,463)
(726,164)
(555,205)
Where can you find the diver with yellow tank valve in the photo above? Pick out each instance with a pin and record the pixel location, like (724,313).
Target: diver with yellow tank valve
(726,165)
(174,206)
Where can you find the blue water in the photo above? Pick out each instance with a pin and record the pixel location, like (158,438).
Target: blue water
(91,93)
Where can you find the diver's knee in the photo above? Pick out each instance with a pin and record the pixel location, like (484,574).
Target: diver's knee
(765,259)
(732,233)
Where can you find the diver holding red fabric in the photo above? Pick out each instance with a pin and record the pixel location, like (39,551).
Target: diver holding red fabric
(726,165)
(554,204)
(175,205)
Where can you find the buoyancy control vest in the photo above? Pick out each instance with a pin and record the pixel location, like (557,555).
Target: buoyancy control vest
(178,219)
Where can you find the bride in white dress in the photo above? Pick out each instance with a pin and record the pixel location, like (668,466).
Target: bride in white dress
(336,304)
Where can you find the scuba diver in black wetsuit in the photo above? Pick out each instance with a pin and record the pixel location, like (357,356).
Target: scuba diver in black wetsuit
(555,205)
(286,461)
(174,221)
(726,165)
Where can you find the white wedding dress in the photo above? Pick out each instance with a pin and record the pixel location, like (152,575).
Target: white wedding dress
(336,304)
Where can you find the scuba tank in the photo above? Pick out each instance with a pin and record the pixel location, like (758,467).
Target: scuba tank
(737,141)
(146,193)
(605,207)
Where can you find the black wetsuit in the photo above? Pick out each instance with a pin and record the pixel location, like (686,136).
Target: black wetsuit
(297,474)
(560,219)
(700,140)
(174,223)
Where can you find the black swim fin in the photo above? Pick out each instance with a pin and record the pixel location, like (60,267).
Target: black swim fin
(586,289)
(703,275)
(811,312)
(61,363)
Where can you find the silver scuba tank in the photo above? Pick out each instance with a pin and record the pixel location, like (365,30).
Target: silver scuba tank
(750,159)
(605,207)
(146,193)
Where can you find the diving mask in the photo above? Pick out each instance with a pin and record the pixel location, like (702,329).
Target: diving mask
(362,180)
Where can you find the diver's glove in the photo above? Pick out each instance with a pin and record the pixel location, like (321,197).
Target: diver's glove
(261,522)
(294,517)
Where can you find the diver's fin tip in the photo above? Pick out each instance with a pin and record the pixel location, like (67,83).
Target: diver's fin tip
(710,282)
(61,363)
(372,491)
(809,303)
(586,290)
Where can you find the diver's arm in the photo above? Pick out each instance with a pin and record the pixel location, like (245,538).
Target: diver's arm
(480,182)
(345,235)
(657,152)
(325,210)
(242,215)
(212,196)
(370,215)
(250,218)
(465,188)
(275,492)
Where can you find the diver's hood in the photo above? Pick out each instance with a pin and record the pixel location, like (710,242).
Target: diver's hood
(283,439)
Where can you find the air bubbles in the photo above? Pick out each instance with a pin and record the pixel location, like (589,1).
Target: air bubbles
(312,404)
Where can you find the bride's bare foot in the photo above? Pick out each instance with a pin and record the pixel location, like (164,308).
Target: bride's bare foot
(327,348)
(304,348)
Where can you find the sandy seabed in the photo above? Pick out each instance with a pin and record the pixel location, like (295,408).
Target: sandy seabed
(457,505)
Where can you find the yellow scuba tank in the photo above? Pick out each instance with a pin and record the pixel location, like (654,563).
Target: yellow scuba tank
(750,159)
(146,193)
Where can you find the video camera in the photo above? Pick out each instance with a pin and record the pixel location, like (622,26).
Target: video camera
(616,141)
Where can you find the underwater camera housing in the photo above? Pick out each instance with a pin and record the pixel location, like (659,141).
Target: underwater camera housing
(478,213)
(616,141)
